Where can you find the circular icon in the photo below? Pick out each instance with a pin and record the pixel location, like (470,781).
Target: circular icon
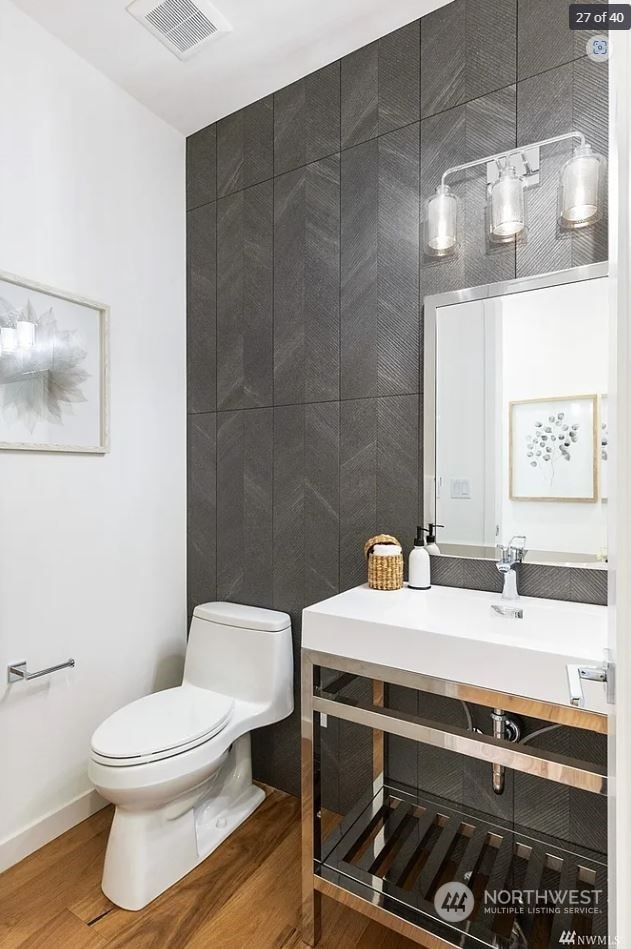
(454,902)
(598,49)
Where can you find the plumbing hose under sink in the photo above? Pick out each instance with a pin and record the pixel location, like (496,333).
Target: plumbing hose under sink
(524,741)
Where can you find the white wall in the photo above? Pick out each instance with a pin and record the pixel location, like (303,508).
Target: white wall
(465,420)
(555,343)
(92,549)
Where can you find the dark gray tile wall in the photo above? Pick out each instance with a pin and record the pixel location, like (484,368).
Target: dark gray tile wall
(201,167)
(307,283)
(305,276)
(553,583)
(245,282)
(535,54)
(245,454)
(468,49)
(379,482)
(380,266)
(307,119)
(245,147)
(202,508)
(380,86)
(201,267)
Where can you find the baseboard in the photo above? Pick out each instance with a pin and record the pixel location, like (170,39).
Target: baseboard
(27,841)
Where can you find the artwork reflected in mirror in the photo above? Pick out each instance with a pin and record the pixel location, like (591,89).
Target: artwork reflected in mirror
(521,436)
(553,449)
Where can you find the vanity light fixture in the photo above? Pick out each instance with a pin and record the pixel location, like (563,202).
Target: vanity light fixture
(507,216)
(580,188)
(441,222)
(508,175)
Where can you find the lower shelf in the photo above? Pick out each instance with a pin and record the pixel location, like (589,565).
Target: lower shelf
(396,849)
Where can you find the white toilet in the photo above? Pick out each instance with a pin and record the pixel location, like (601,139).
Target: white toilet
(177,763)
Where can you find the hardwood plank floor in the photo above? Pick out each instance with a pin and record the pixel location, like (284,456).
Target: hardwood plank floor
(246,895)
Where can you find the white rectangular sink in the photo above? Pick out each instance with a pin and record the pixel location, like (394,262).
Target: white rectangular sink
(454,634)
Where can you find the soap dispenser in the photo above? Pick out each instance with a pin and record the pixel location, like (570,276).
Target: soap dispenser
(431,546)
(419,566)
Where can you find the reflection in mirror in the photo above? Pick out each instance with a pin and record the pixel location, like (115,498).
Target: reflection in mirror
(521,420)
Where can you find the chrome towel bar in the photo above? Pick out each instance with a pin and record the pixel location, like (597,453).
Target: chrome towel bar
(18,671)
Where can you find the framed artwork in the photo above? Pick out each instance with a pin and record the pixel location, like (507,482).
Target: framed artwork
(603,447)
(53,369)
(553,449)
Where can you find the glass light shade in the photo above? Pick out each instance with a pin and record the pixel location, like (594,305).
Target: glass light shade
(580,189)
(441,221)
(507,218)
(25,334)
(8,339)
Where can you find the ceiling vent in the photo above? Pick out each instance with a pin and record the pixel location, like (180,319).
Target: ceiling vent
(183,26)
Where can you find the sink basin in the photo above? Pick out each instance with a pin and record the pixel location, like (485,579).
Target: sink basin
(454,634)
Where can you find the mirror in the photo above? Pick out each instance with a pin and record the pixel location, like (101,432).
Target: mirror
(516,417)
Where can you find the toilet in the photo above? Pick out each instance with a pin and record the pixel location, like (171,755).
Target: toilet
(177,764)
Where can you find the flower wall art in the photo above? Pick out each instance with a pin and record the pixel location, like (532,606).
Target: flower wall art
(53,369)
(553,449)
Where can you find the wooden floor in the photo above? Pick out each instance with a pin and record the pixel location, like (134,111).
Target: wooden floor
(244,896)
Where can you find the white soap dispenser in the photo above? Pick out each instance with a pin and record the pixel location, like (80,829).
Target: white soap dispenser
(419,564)
(430,544)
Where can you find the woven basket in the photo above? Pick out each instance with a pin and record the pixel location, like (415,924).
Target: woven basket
(384,573)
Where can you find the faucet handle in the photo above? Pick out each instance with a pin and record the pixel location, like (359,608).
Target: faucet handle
(517,548)
(574,675)
(501,554)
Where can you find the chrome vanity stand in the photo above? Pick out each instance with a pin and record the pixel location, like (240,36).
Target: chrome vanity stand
(328,868)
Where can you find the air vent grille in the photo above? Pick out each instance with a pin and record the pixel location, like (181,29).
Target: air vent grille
(181,25)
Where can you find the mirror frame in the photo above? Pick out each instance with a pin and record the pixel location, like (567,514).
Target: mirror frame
(485,291)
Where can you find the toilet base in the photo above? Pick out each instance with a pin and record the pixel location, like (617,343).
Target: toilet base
(150,850)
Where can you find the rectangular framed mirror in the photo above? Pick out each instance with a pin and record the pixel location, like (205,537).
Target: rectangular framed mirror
(516,437)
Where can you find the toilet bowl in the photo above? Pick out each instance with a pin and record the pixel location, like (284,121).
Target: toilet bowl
(177,764)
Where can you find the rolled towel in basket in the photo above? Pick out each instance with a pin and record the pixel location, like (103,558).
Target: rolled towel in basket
(387,550)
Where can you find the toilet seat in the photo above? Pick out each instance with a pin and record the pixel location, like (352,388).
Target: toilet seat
(161,725)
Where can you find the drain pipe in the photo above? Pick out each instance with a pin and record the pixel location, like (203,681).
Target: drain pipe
(505,729)
(499,728)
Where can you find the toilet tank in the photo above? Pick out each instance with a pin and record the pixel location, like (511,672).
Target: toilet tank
(243,651)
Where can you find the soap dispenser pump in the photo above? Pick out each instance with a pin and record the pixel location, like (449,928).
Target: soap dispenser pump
(419,570)
(430,544)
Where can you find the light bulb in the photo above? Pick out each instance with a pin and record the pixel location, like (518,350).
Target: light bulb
(507,219)
(441,218)
(580,189)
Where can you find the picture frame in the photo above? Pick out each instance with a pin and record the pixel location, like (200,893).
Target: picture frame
(553,449)
(54,369)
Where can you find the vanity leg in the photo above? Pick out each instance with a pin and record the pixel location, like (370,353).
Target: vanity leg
(378,737)
(310,787)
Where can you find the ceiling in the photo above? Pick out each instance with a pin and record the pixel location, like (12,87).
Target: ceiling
(273,43)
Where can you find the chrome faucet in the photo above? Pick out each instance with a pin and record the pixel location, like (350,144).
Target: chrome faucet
(508,558)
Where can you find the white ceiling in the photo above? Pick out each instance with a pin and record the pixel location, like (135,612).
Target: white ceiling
(273,43)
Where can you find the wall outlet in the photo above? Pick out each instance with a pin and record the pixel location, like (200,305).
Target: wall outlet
(460,488)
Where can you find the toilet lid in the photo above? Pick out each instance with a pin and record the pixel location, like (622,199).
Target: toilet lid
(162,722)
